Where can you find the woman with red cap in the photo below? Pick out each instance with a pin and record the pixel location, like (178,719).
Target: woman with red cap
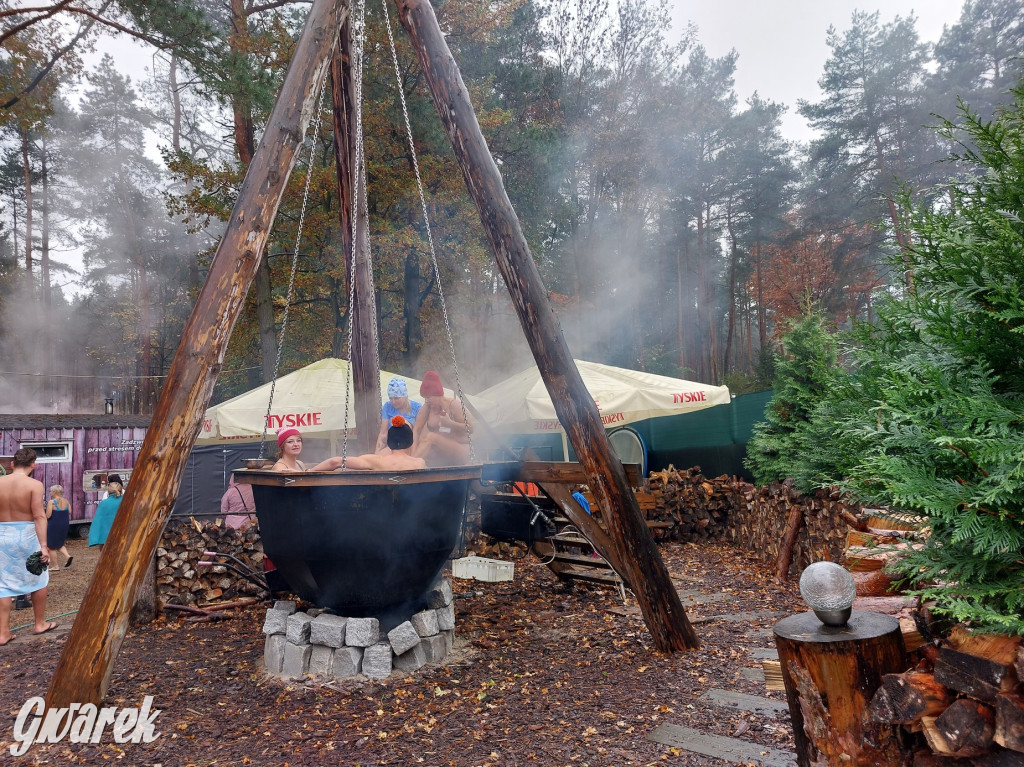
(289,445)
(442,427)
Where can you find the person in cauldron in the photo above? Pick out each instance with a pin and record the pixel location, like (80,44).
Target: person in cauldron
(399,457)
(289,445)
(443,427)
(398,404)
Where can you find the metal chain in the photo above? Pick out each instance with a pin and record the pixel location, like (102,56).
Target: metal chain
(426,223)
(295,260)
(359,201)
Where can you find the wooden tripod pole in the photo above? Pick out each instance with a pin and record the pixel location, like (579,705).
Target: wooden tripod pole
(635,548)
(83,671)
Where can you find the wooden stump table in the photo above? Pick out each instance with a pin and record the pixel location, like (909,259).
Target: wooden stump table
(831,673)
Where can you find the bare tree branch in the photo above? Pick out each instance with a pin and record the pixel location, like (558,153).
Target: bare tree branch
(271,5)
(49,10)
(45,14)
(45,70)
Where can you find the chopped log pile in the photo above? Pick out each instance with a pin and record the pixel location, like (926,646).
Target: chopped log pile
(691,507)
(962,705)
(182,580)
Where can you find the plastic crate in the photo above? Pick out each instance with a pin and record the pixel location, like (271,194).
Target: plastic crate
(483,569)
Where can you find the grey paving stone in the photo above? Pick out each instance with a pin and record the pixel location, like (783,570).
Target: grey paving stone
(328,630)
(273,653)
(446,618)
(435,647)
(362,632)
(440,595)
(348,661)
(276,622)
(287,606)
(755,704)
(425,623)
(764,653)
(403,638)
(449,640)
(721,747)
(296,659)
(750,617)
(411,659)
(298,628)
(752,674)
(377,661)
(321,659)
(693,597)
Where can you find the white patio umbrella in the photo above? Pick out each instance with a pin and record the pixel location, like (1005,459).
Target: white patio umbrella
(623,396)
(311,398)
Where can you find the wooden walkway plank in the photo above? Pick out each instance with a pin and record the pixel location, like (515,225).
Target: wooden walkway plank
(721,747)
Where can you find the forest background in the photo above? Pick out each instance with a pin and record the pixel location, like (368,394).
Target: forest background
(675,228)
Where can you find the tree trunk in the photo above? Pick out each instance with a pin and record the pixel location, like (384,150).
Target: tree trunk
(643,567)
(83,671)
(49,363)
(830,674)
(731,305)
(26,168)
(265,321)
(413,294)
(245,142)
(351,195)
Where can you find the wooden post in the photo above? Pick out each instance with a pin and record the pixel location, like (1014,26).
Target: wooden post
(83,671)
(642,565)
(831,674)
(363,354)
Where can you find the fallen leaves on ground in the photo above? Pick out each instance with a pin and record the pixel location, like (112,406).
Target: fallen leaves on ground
(543,673)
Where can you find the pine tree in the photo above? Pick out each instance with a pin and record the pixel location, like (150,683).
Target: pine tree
(806,369)
(941,417)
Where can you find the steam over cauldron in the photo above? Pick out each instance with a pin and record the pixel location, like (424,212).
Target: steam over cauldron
(366,544)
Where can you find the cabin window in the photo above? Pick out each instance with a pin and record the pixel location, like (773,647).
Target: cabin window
(50,452)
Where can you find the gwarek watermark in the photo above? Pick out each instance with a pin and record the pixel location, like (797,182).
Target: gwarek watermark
(82,723)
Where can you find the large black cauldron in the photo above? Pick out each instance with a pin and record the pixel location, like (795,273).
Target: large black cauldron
(366,544)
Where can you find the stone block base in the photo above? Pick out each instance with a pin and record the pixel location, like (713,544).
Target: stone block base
(335,647)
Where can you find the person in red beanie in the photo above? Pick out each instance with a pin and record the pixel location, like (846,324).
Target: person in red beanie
(441,435)
(289,445)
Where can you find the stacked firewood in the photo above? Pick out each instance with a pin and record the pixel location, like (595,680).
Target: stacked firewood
(964,701)
(485,546)
(691,507)
(181,579)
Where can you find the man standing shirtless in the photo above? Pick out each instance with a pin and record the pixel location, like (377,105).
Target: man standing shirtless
(22,532)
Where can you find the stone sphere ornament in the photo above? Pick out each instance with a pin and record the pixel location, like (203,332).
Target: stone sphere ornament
(830,590)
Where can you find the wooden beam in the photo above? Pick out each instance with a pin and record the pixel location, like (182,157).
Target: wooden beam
(363,354)
(560,472)
(83,671)
(637,552)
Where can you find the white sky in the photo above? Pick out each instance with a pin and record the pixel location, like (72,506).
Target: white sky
(781,43)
